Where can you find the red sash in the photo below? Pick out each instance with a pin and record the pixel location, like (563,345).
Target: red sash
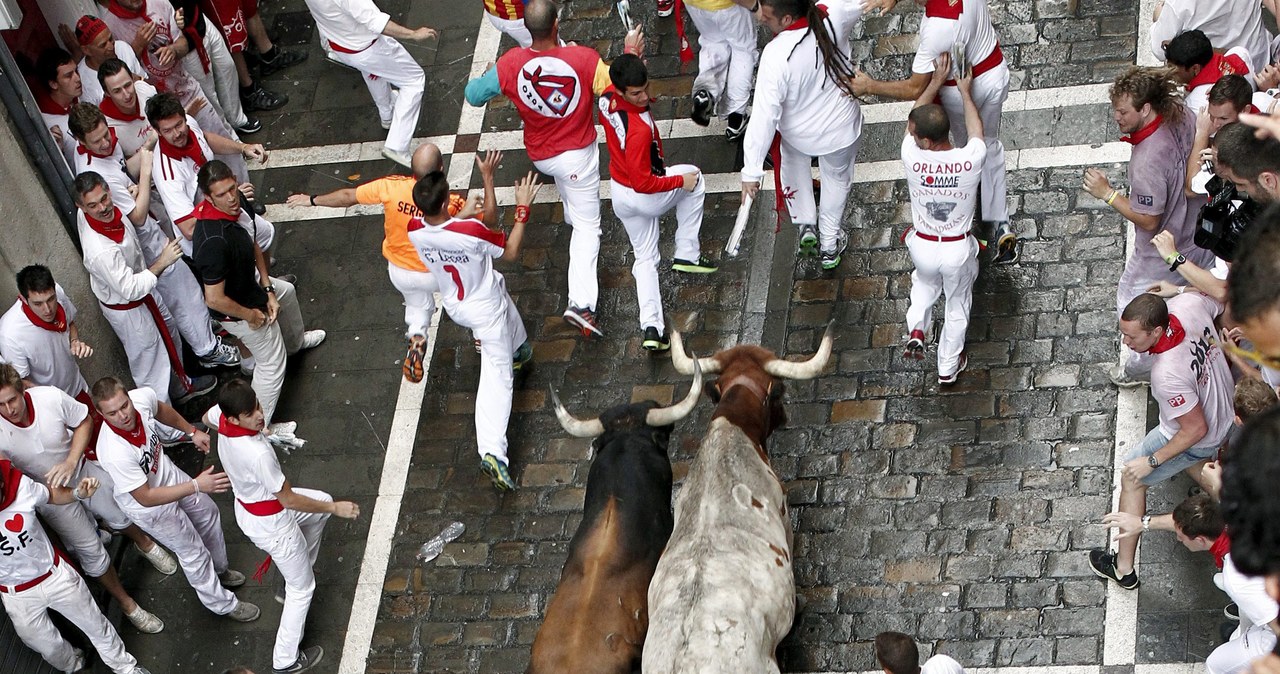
(262,509)
(175,358)
(995,58)
(91,451)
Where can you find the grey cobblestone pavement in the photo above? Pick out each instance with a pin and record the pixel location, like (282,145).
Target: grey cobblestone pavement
(959,516)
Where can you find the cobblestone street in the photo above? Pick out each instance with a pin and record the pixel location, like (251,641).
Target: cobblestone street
(959,516)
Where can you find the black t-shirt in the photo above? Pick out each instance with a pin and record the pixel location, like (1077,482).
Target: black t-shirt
(223,253)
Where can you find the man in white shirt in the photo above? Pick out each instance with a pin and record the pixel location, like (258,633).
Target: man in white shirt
(897,653)
(46,433)
(284,521)
(183,147)
(172,506)
(804,96)
(967,28)
(943,182)
(125,286)
(124,104)
(358,34)
(59,89)
(34,579)
(1191,383)
(1228,24)
(98,45)
(460,254)
(1198,67)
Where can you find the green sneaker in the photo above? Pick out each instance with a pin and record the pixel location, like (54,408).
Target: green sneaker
(831,258)
(702,265)
(522,356)
(496,469)
(808,241)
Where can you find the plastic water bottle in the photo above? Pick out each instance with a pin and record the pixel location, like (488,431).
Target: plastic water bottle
(432,548)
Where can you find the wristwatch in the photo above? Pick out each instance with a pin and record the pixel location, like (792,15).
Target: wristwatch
(1146,523)
(1153,461)
(1173,266)
(269,288)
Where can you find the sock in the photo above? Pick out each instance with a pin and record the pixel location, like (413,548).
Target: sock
(270,54)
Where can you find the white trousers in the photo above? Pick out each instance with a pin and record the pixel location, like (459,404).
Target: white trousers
(65,592)
(836,172)
(271,345)
(144,346)
(385,64)
(103,502)
(1244,647)
(221,85)
(418,289)
(79,533)
(514,28)
(639,214)
(727,55)
(191,529)
(500,334)
(948,268)
(293,548)
(577,177)
(990,89)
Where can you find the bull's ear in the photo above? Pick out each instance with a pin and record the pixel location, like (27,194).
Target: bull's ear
(712,390)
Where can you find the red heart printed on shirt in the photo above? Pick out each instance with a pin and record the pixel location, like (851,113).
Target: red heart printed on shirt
(14,523)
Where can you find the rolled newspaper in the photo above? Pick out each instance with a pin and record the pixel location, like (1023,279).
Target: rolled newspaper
(739,226)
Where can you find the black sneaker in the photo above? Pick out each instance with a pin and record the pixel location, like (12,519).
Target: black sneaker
(655,341)
(1007,249)
(251,125)
(280,60)
(1103,564)
(584,320)
(703,107)
(260,99)
(702,265)
(307,658)
(736,126)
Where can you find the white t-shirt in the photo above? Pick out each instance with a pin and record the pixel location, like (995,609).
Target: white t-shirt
(1194,372)
(132,132)
(132,465)
(118,272)
(43,356)
(937,34)
(1227,24)
(46,441)
(943,185)
(25,551)
(941,664)
(1249,593)
(93,93)
(350,23)
(251,464)
(460,253)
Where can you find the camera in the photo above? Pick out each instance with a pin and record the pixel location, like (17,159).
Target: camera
(1222,221)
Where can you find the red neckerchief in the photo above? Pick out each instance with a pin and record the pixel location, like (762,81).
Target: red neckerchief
(9,479)
(1142,134)
(1218,66)
(944,9)
(113,230)
(59,323)
(1173,336)
(192,151)
(82,149)
(230,430)
(1221,546)
(1252,109)
(137,437)
(51,107)
(31,411)
(205,210)
(110,109)
(115,8)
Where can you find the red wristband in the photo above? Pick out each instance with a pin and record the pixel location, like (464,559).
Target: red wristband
(522,213)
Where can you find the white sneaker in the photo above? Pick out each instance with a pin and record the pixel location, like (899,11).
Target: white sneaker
(397,157)
(77,663)
(160,559)
(312,338)
(245,612)
(231,579)
(145,621)
(141,670)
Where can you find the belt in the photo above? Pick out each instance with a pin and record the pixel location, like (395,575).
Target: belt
(995,58)
(262,508)
(347,50)
(944,239)
(23,587)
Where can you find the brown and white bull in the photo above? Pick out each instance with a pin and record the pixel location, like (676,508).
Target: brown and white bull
(597,619)
(723,595)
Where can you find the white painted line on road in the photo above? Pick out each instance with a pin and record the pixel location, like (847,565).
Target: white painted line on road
(344,153)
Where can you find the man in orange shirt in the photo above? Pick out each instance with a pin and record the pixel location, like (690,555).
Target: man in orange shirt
(405,268)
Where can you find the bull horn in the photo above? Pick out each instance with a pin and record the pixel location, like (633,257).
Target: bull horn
(575,427)
(663,416)
(682,362)
(806,369)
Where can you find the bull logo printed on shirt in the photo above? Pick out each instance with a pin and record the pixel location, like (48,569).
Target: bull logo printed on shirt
(549,87)
(940,210)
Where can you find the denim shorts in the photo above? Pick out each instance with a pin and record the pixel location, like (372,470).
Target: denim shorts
(1154,441)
